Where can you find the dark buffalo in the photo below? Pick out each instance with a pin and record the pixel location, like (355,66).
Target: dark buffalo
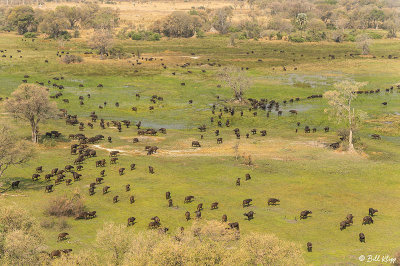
(273,201)
(304,214)
(131,221)
(247,202)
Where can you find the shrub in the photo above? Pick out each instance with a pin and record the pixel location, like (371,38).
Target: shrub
(375,35)
(200,34)
(30,35)
(21,241)
(136,36)
(70,58)
(295,38)
(65,206)
(144,35)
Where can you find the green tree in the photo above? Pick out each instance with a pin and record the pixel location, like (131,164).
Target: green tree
(301,21)
(53,25)
(71,13)
(22,18)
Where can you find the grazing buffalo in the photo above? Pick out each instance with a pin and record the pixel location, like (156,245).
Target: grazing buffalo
(349,219)
(343,225)
(151,170)
(247,202)
(105,189)
(55,253)
(199,206)
(15,184)
(102,172)
(372,211)
(131,221)
(248,177)
(62,236)
(127,188)
(234,225)
(189,199)
(48,177)
(214,205)
(361,236)
(133,166)
(309,246)
(99,180)
(68,168)
(167,195)
(196,144)
(224,218)
(375,136)
(114,153)
(115,199)
(198,214)
(238,182)
(49,188)
(326,129)
(219,140)
(273,201)
(39,169)
(121,171)
(187,215)
(304,214)
(35,177)
(91,191)
(367,220)
(154,224)
(170,203)
(249,215)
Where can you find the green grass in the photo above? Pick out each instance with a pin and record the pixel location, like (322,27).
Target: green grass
(296,168)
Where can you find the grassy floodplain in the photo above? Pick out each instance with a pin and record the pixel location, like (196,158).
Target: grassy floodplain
(296,168)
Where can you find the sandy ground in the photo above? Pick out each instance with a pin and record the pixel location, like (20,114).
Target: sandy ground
(142,15)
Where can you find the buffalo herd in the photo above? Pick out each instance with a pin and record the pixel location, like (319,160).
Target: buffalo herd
(84,152)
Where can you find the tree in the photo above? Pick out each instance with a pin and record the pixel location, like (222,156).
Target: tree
(31,102)
(53,25)
(364,42)
(341,102)
(12,152)
(72,14)
(222,19)
(102,40)
(392,26)
(22,18)
(21,240)
(237,80)
(180,24)
(301,21)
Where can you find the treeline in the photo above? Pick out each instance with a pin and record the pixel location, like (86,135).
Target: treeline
(60,22)
(317,16)
(293,20)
